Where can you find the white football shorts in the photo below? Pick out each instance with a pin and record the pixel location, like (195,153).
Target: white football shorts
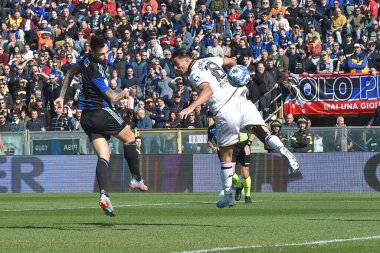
(233,117)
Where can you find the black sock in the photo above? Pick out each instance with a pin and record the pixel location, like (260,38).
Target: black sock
(132,157)
(101,175)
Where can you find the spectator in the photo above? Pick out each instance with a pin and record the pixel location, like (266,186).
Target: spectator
(282,61)
(143,121)
(262,83)
(200,116)
(325,65)
(358,61)
(161,114)
(43,112)
(35,124)
(155,50)
(190,121)
(16,125)
(5,96)
(4,125)
(60,122)
(355,23)
(338,22)
(341,64)
(372,55)
(275,127)
(289,122)
(163,88)
(174,120)
(176,104)
(24,118)
(302,140)
(215,50)
(140,70)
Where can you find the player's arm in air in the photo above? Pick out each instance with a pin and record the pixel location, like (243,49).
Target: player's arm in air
(229,62)
(75,70)
(203,97)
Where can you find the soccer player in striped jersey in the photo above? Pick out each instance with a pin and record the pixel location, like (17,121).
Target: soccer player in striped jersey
(99,120)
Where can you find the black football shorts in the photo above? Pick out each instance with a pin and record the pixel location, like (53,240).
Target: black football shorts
(102,123)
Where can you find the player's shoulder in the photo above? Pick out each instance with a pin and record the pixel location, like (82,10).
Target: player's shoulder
(92,67)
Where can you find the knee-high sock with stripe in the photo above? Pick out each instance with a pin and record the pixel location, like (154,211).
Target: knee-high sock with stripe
(102,175)
(247,186)
(226,177)
(132,158)
(236,181)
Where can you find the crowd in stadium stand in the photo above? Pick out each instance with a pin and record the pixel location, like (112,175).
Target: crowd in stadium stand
(41,40)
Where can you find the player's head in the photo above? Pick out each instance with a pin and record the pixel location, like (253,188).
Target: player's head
(181,60)
(99,49)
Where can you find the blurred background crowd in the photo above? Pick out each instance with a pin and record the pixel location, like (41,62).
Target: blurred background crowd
(41,40)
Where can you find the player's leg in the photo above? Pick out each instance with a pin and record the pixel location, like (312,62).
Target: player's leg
(132,158)
(264,135)
(252,121)
(235,177)
(246,182)
(101,148)
(226,177)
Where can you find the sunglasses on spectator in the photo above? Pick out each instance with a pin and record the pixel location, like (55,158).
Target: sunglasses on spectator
(191,115)
(194,95)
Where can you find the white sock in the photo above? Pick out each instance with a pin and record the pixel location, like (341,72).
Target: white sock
(226,177)
(274,142)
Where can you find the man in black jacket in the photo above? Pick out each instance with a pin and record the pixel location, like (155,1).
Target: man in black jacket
(302,64)
(302,140)
(262,82)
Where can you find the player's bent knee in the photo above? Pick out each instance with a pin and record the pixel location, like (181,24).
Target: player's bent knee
(261,133)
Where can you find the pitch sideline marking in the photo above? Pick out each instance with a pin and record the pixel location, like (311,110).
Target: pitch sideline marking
(96,207)
(284,245)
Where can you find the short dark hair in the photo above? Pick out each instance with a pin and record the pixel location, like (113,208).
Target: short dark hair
(97,42)
(182,53)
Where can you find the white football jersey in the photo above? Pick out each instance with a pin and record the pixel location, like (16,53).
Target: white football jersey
(210,70)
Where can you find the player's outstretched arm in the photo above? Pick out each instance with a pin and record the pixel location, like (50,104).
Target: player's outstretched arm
(75,70)
(229,62)
(203,97)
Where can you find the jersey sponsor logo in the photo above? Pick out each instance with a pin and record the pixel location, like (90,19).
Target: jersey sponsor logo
(87,62)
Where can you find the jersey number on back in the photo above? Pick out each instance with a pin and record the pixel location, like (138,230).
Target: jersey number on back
(216,71)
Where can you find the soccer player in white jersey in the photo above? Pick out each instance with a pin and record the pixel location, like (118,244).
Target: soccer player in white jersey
(231,109)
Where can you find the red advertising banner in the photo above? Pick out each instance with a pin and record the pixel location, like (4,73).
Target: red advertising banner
(343,94)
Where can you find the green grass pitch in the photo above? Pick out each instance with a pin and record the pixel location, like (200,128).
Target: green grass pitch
(149,222)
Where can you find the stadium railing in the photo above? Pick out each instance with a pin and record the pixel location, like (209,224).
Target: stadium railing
(183,141)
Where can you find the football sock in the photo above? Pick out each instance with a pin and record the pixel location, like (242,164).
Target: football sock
(247,186)
(236,180)
(274,142)
(132,157)
(101,175)
(226,177)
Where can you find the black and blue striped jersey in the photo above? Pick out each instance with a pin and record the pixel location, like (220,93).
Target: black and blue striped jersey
(95,84)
